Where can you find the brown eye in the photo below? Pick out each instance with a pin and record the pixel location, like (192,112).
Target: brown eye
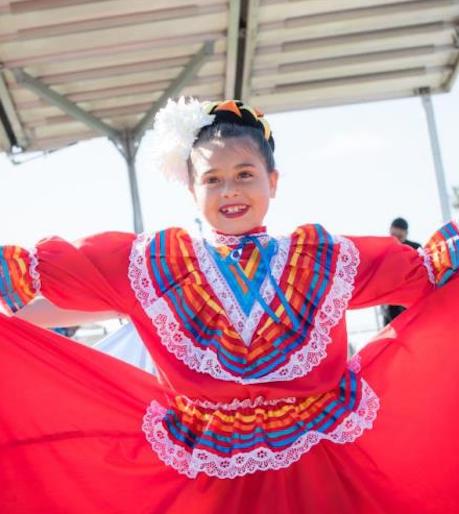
(211,180)
(245,175)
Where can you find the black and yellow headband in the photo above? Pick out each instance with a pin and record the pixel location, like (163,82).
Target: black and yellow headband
(235,111)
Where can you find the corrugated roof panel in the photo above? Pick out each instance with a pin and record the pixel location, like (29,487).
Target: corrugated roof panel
(114,59)
(308,54)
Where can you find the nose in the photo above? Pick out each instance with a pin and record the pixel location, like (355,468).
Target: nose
(230,190)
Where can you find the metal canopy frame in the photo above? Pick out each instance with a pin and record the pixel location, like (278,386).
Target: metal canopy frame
(126,142)
(279,55)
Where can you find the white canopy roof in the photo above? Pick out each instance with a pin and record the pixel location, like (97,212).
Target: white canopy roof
(114,60)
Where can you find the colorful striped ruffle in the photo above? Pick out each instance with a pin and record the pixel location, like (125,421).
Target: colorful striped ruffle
(244,436)
(442,253)
(19,279)
(208,320)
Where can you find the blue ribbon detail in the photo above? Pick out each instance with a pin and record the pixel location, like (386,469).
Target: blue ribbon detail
(232,259)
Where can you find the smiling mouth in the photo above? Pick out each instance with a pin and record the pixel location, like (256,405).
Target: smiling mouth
(234,211)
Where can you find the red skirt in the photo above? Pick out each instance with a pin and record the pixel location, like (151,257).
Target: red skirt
(70,437)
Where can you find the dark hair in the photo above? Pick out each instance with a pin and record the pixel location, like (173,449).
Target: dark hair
(225,130)
(400,223)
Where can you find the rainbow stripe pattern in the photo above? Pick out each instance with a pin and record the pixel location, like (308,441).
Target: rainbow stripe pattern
(17,286)
(229,440)
(276,427)
(181,279)
(442,250)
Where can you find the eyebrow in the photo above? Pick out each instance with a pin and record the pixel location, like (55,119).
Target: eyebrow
(240,165)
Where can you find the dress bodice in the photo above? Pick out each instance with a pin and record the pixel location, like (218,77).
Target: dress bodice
(253,311)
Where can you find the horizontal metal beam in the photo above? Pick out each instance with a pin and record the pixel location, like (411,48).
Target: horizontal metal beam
(65,105)
(137,88)
(352,90)
(394,14)
(174,89)
(307,86)
(358,65)
(27,6)
(117,21)
(362,59)
(103,72)
(94,51)
(428,33)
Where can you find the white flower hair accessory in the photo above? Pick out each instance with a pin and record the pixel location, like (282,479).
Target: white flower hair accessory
(175,129)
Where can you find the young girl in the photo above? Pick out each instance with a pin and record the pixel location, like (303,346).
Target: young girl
(254,408)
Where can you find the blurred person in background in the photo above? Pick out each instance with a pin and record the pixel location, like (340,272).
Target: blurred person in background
(398,229)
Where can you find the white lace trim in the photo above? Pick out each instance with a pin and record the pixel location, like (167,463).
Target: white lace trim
(33,270)
(427,260)
(311,354)
(163,318)
(206,361)
(232,240)
(240,404)
(244,325)
(355,363)
(191,463)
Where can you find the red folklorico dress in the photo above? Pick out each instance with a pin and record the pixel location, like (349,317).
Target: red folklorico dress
(255,407)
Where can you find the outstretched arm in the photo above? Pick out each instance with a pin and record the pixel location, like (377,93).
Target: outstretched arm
(390,272)
(90,275)
(44,313)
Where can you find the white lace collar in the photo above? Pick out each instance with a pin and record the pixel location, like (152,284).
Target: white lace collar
(219,239)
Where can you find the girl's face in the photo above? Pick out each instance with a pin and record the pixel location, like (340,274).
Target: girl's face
(231,185)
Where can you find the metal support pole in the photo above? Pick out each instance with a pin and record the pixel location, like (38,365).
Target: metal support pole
(123,143)
(436,154)
(128,143)
(129,155)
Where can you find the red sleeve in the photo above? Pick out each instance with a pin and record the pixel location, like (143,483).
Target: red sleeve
(389,272)
(89,275)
